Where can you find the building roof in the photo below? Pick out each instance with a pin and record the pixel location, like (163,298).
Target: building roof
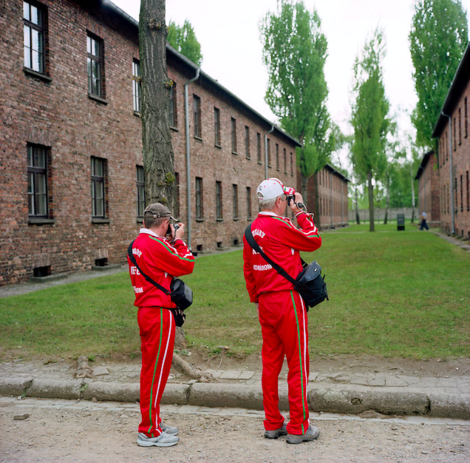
(182,59)
(461,78)
(423,164)
(337,172)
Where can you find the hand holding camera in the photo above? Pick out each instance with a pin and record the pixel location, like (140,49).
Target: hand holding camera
(176,231)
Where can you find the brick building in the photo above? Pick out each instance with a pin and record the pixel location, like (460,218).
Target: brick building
(71,183)
(332,197)
(429,189)
(452,132)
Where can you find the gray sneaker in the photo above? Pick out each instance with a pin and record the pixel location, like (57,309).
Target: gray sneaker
(163,440)
(171,430)
(282,431)
(312,433)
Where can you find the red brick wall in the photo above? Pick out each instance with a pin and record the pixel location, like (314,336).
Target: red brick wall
(461,167)
(59,115)
(429,197)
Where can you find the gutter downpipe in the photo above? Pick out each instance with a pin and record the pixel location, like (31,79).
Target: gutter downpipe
(188,159)
(451,174)
(266,151)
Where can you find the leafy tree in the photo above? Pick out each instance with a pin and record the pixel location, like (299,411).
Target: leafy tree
(294,52)
(183,39)
(438,38)
(369,117)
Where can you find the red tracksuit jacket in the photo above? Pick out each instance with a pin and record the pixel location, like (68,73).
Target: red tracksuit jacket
(161,261)
(281,241)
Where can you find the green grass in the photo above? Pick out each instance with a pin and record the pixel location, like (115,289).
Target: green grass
(391,294)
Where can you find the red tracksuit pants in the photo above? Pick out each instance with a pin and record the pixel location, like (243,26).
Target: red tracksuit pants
(283,319)
(157,334)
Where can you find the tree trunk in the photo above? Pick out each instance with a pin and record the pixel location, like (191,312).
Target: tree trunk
(159,161)
(388,200)
(358,220)
(371,202)
(159,164)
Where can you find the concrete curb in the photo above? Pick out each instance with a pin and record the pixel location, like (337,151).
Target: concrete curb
(329,400)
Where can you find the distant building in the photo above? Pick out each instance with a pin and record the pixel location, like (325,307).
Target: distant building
(71,169)
(332,189)
(454,153)
(429,188)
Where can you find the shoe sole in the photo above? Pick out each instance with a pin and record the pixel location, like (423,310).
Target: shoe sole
(142,443)
(299,439)
(274,436)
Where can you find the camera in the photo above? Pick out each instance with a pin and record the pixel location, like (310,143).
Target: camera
(176,226)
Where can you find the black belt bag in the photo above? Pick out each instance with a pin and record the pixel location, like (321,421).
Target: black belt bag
(309,282)
(181,294)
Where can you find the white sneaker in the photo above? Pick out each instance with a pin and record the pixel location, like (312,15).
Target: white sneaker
(171,430)
(163,440)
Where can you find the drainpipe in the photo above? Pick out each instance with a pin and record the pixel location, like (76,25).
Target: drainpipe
(188,161)
(266,151)
(451,174)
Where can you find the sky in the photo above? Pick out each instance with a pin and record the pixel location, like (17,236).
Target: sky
(228,31)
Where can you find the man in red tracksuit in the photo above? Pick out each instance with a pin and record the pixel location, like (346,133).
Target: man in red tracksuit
(161,259)
(282,312)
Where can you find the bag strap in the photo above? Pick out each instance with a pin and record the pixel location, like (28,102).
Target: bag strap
(252,242)
(132,258)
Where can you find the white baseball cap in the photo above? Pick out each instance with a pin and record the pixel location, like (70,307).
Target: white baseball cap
(269,189)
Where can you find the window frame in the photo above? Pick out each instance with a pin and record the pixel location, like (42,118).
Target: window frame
(233,125)
(217,137)
(99,59)
(98,180)
(248,203)
(219,211)
(136,86)
(258,147)
(247,142)
(35,171)
(198,197)
(173,107)
(277,157)
(41,30)
(235,201)
(291,164)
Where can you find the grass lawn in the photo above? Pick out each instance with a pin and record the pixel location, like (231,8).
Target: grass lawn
(391,294)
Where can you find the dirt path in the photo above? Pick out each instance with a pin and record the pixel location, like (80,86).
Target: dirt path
(67,431)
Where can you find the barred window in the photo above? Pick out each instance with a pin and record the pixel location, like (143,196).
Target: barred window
(235,201)
(269,152)
(199,205)
(197,116)
(291,165)
(234,135)
(258,147)
(218,200)
(285,161)
(37,182)
(140,183)
(277,156)
(217,140)
(248,203)
(173,112)
(136,86)
(34,34)
(247,142)
(98,187)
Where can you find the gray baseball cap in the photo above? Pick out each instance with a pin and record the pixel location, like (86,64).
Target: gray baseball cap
(158,210)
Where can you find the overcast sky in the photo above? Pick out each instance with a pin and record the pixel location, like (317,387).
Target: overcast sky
(228,31)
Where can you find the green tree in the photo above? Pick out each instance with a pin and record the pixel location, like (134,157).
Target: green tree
(438,38)
(369,117)
(294,52)
(183,39)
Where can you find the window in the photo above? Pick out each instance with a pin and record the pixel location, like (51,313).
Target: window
(258,147)
(285,161)
(218,200)
(217,140)
(140,191)
(136,85)
(277,156)
(197,116)
(97,187)
(468,194)
(247,142)
(34,32)
(466,117)
(447,146)
(95,66)
(460,126)
(461,193)
(234,135)
(291,165)
(199,208)
(235,201)
(269,152)
(177,202)
(248,203)
(37,182)
(455,144)
(173,112)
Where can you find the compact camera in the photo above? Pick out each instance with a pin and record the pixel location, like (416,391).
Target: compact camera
(290,196)
(176,226)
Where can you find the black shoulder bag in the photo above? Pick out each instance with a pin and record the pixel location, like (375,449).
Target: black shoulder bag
(309,282)
(181,293)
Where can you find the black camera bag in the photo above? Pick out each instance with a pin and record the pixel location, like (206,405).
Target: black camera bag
(181,293)
(309,282)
